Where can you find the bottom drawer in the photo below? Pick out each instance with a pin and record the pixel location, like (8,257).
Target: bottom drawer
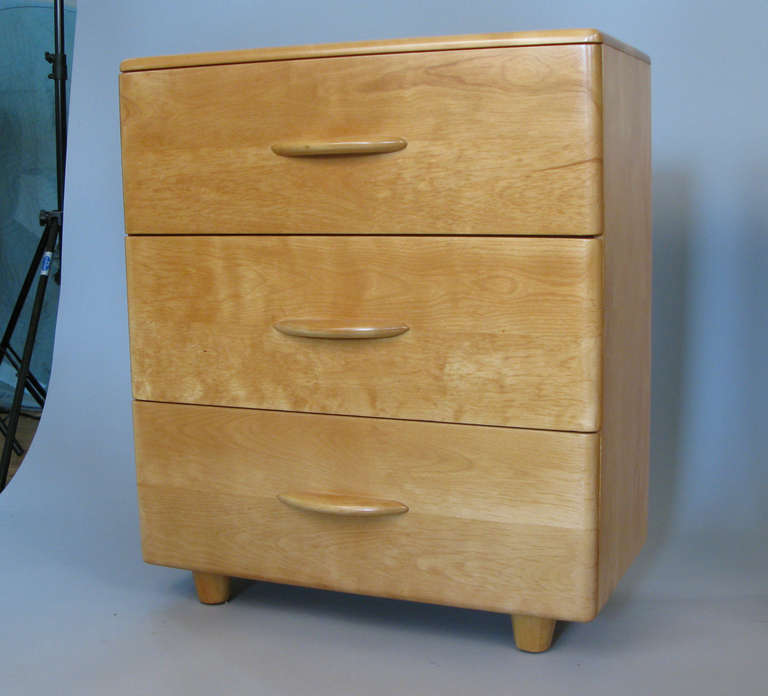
(500,519)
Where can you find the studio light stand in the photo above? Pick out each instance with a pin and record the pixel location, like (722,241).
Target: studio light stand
(40,267)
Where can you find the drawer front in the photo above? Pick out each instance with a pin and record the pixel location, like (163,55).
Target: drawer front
(498,519)
(500,141)
(501,331)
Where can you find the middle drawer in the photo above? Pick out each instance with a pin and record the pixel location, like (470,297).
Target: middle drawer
(500,331)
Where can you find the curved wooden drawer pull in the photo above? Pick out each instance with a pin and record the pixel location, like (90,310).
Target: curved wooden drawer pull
(363,146)
(349,505)
(329,328)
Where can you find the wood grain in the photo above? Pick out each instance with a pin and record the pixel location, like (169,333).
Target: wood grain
(627,349)
(532,633)
(438,43)
(502,331)
(500,519)
(500,141)
(508,148)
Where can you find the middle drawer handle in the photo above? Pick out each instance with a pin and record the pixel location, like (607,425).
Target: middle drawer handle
(331,148)
(348,505)
(329,328)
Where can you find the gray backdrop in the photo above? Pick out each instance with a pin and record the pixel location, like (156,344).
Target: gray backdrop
(79,611)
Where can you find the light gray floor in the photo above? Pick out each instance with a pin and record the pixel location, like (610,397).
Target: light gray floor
(81,614)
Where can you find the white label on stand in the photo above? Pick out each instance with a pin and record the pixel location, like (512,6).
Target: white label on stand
(45,267)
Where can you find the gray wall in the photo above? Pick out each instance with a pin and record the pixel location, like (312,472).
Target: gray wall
(710,210)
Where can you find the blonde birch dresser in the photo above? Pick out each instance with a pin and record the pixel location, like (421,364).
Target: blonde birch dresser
(390,316)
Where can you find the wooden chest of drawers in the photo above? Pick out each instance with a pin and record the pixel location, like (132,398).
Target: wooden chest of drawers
(390,315)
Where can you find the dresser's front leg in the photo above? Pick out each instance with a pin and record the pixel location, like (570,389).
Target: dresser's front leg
(532,633)
(211,588)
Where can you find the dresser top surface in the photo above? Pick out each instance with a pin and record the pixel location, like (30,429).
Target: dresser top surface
(438,43)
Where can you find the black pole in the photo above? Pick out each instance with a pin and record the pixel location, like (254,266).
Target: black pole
(58,61)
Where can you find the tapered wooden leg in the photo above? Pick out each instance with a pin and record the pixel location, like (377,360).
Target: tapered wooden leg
(532,634)
(211,588)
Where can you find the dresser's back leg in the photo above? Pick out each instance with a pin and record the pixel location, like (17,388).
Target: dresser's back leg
(211,588)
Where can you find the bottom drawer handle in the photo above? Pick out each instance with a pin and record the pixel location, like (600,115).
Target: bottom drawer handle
(334,504)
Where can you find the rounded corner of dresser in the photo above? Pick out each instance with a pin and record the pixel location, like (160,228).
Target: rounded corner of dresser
(587,613)
(589,606)
(590,422)
(146,551)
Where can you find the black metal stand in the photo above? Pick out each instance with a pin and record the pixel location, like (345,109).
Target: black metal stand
(51,220)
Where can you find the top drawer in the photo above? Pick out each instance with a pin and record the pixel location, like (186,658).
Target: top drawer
(499,141)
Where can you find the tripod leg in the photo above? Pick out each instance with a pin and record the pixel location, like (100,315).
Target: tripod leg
(15,444)
(6,350)
(34,267)
(50,235)
(36,390)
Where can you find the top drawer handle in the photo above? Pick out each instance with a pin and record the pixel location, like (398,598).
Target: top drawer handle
(319,148)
